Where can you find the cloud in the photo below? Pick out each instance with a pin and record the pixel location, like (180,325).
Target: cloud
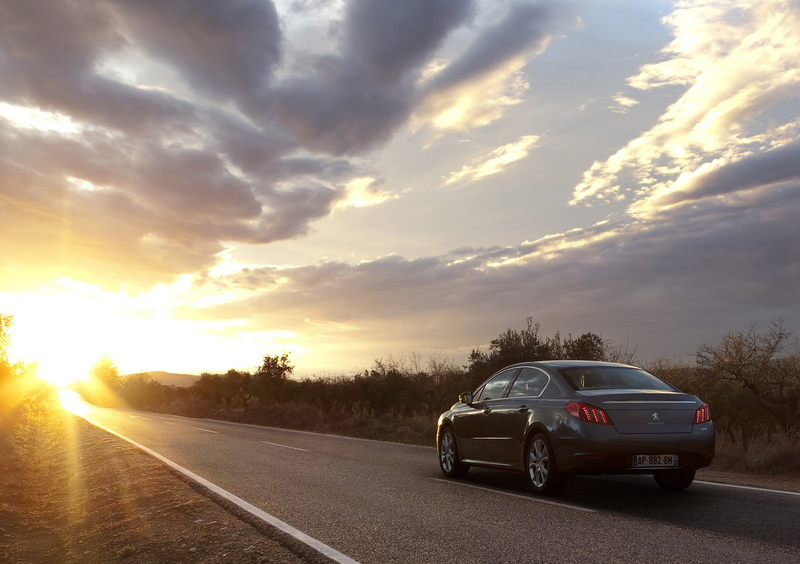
(622,104)
(495,161)
(226,49)
(385,72)
(525,28)
(109,178)
(127,211)
(720,179)
(476,102)
(291,211)
(354,99)
(475,88)
(148,137)
(388,39)
(689,272)
(738,63)
(363,192)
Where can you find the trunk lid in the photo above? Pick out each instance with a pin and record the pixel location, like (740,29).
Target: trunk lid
(645,411)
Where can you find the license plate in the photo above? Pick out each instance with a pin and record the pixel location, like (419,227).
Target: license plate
(654,460)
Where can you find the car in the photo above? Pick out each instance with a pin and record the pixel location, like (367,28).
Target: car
(551,419)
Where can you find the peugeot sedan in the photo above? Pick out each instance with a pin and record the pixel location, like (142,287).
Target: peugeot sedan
(551,419)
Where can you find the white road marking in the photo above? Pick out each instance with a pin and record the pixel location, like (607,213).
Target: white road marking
(284,446)
(319,546)
(720,484)
(170,423)
(207,430)
(529,498)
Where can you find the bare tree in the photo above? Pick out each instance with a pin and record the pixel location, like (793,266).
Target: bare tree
(766,364)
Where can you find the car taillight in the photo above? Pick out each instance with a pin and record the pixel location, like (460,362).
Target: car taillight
(586,412)
(703,414)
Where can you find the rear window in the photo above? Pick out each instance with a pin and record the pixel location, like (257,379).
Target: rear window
(612,378)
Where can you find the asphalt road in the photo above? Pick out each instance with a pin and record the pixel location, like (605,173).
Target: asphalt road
(382,502)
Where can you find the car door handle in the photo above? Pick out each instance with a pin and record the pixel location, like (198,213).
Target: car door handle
(523,409)
(487,410)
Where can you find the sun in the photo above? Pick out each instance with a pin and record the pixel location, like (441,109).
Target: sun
(64,334)
(68,368)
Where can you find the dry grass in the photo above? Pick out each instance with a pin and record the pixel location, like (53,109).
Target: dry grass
(780,456)
(411,430)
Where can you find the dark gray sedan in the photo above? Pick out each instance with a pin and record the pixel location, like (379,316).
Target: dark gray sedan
(554,418)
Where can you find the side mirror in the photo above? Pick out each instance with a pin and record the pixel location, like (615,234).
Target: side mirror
(466,398)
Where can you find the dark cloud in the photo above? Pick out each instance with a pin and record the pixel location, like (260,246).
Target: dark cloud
(524,27)
(341,111)
(389,38)
(353,100)
(755,170)
(48,55)
(292,211)
(228,49)
(350,102)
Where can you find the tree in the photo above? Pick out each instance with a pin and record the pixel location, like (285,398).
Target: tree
(240,385)
(586,347)
(270,378)
(767,365)
(509,347)
(6,321)
(142,392)
(106,371)
(212,387)
(437,387)
(514,346)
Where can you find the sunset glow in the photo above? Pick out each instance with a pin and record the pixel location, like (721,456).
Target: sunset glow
(190,190)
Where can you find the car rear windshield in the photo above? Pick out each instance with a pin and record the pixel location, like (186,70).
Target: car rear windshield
(612,378)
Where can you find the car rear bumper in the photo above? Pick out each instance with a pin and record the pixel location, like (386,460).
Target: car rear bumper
(602,450)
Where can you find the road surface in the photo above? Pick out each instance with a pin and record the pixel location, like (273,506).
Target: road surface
(380,503)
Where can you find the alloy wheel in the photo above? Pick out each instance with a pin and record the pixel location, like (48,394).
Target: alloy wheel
(538,463)
(447,452)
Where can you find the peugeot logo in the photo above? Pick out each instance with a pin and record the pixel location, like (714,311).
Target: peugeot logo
(655,416)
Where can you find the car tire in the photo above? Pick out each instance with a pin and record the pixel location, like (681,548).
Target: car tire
(674,480)
(541,468)
(449,460)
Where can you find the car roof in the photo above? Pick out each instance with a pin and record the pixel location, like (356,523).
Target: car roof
(571,363)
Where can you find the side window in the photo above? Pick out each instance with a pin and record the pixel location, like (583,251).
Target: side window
(476,397)
(530,382)
(494,388)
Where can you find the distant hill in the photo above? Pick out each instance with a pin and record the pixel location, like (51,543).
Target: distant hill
(173,378)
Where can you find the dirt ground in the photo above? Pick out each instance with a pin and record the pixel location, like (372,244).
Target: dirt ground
(71,493)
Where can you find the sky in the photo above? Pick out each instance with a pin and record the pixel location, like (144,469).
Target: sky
(191,185)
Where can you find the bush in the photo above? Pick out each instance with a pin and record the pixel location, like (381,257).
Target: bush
(193,406)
